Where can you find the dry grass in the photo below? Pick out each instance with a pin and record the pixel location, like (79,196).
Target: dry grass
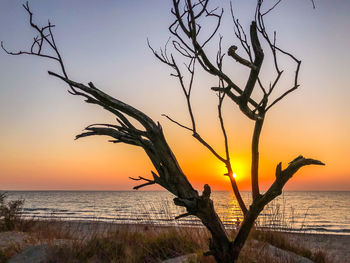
(148,243)
(8,252)
(130,244)
(280,240)
(10,213)
(143,243)
(103,242)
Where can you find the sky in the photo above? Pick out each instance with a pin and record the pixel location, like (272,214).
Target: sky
(106,42)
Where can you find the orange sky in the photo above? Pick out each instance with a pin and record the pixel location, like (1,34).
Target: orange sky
(39,119)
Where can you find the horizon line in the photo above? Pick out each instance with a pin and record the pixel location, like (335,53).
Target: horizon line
(131,190)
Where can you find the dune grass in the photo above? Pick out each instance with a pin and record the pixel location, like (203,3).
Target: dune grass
(147,243)
(127,244)
(10,213)
(104,242)
(280,240)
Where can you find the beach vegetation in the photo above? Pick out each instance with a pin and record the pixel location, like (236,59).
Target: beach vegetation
(10,212)
(280,240)
(152,243)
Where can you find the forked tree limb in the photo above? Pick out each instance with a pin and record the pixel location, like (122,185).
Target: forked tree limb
(186,21)
(152,140)
(258,204)
(168,59)
(149,182)
(170,175)
(254,72)
(283,176)
(232,53)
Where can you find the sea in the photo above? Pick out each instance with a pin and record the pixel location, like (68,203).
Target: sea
(306,211)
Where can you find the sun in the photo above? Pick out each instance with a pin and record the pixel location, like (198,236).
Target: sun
(234,175)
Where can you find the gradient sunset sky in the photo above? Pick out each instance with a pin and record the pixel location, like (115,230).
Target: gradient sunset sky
(106,42)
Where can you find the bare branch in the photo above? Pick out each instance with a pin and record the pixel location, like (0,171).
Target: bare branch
(283,176)
(313,4)
(227,161)
(281,97)
(26,53)
(200,139)
(187,92)
(222,125)
(240,34)
(182,215)
(232,53)
(259,17)
(148,182)
(177,123)
(273,7)
(254,72)
(143,185)
(127,138)
(112,102)
(191,32)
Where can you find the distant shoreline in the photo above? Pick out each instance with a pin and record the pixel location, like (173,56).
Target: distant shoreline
(131,190)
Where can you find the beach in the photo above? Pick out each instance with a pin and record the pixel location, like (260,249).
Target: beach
(132,227)
(293,211)
(42,240)
(335,246)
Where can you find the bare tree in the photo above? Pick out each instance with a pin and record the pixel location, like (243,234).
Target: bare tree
(187,41)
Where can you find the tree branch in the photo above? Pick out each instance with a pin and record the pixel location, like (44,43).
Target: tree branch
(177,123)
(149,182)
(232,53)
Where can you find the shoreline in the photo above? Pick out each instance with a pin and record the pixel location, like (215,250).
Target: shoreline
(295,211)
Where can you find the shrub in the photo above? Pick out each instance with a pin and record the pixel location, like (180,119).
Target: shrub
(10,213)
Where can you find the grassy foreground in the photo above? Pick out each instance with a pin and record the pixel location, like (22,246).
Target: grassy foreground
(67,241)
(105,242)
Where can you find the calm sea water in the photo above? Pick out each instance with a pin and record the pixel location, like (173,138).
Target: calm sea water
(315,212)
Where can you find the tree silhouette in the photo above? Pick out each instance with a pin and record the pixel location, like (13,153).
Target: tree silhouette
(187,40)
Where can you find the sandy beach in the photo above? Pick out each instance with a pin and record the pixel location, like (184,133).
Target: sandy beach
(56,233)
(337,247)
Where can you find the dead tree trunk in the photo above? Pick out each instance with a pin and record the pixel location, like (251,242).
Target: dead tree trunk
(170,175)
(185,31)
(255,157)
